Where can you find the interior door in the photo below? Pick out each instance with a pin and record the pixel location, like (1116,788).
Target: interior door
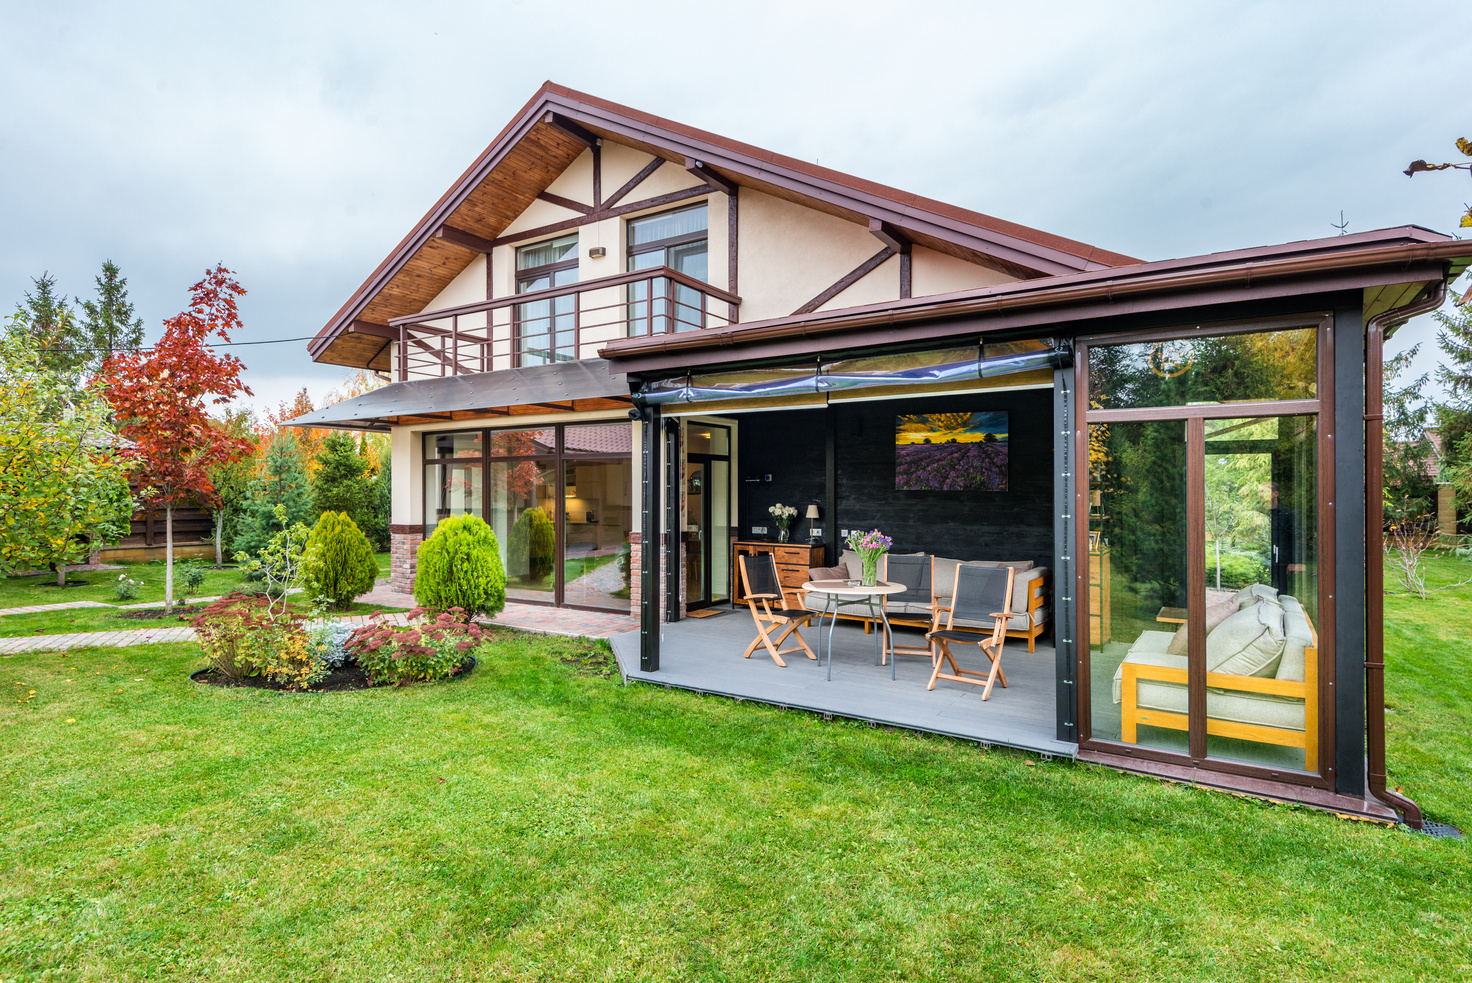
(697,528)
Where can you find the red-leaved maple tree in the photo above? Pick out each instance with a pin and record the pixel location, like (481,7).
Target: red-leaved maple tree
(162,401)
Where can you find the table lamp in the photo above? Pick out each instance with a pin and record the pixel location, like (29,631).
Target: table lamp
(814,533)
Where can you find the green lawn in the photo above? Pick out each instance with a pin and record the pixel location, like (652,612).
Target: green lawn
(532,822)
(16,592)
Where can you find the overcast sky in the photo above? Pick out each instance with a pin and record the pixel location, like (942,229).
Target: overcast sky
(297,143)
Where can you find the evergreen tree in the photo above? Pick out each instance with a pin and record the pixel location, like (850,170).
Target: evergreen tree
(281,480)
(383,500)
(341,483)
(108,323)
(1455,341)
(47,324)
(1407,448)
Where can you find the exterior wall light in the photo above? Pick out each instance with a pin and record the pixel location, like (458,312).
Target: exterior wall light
(597,252)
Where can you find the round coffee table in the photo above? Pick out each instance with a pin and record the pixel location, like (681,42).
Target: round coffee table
(834,592)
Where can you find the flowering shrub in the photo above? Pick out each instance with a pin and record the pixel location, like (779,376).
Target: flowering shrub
(241,637)
(126,588)
(432,650)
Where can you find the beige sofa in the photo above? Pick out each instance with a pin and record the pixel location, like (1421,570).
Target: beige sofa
(1261,675)
(1031,595)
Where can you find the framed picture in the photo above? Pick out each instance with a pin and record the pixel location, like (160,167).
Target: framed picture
(951,451)
(1094,541)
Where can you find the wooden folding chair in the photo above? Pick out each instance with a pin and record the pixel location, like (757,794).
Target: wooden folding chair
(915,573)
(981,594)
(759,578)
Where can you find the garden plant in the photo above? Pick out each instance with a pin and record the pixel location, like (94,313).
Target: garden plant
(338,563)
(460,567)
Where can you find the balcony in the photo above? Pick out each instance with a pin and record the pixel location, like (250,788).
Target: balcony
(559,324)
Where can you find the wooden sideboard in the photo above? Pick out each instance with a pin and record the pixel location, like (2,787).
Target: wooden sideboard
(793,562)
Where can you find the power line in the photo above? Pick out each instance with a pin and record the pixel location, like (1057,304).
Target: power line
(217,344)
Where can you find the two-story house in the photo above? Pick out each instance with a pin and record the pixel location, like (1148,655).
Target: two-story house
(621,340)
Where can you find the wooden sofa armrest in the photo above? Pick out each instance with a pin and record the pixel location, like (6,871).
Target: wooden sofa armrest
(1134,671)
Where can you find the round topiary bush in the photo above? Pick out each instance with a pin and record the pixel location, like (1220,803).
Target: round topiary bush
(460,567)
(532,544)
(339,563)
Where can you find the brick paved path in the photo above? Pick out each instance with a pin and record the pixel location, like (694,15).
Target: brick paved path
(528,617)
(63,606)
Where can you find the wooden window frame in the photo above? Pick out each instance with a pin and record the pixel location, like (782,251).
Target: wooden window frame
(533,273)
(1322,408)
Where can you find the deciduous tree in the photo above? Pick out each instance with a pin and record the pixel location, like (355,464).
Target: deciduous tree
(232,478)
(162,400)
(63,484)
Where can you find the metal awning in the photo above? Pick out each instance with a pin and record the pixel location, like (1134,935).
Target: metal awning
(542,387)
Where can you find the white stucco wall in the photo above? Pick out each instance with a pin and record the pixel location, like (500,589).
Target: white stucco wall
(936,273)
(788,254)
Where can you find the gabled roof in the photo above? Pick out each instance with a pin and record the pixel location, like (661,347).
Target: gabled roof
(549,134)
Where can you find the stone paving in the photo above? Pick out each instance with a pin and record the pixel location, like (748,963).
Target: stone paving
(61,606)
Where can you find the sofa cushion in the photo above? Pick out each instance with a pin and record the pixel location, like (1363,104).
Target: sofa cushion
(1149,649)
(1018,565)
(828,573)
(1022,582)
(1256,590)
(1248,643)
(1298,636)
(1215,615)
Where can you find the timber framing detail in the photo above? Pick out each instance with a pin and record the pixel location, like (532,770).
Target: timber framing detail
(558,125)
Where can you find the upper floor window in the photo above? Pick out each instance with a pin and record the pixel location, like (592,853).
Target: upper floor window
(677,239)
(546,330)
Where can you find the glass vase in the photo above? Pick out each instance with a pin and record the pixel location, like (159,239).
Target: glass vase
(870,563)
(783,534)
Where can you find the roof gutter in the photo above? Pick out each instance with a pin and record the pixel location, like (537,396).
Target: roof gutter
(1375,548)
(1108,286)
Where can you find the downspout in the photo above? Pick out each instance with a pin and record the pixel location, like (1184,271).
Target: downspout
(1375,547)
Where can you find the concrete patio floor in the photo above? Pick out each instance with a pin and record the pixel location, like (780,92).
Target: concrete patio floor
(704,655)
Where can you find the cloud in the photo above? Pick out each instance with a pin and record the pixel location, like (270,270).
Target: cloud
(298,143)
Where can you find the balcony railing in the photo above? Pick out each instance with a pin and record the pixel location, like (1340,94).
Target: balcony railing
(557,324)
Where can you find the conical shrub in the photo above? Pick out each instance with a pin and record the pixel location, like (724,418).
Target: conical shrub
(531,545)
(339,563)
(460,567)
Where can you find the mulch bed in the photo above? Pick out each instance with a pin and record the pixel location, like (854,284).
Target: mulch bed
(349,677)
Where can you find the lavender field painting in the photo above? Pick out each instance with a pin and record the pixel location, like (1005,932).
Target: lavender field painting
(951,452)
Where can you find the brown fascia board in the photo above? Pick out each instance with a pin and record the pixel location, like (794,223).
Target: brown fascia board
(1397,255)
(1010,242)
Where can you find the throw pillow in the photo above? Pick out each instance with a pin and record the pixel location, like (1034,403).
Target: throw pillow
(1249,643)
(1215,615)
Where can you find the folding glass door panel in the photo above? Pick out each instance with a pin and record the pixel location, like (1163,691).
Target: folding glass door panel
(598,511)
(1138,582)
(1260,512)
(707,533)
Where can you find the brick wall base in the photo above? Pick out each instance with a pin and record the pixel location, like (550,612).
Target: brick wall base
(404,556)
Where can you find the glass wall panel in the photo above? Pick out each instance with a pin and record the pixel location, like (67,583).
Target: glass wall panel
(599,513)
(1261,517)
(451,489)
(523,443)
(523,503)
(599,438)
(720,529)
(1138,582)
(1267,365)
(442,445)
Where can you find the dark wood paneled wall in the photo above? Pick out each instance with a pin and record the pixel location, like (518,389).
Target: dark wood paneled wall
(1013,525)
